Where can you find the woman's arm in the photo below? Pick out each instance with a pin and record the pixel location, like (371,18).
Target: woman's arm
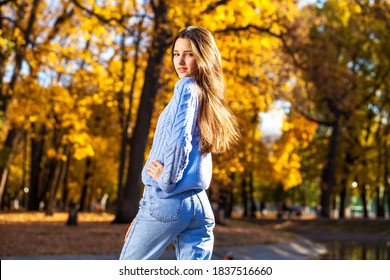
(179,137)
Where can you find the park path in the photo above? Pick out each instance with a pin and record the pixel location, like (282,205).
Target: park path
(297,249)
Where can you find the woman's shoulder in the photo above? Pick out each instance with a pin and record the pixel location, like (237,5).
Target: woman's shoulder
(185,90)
(185,82)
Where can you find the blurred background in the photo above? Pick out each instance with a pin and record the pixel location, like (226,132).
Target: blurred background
(83,82)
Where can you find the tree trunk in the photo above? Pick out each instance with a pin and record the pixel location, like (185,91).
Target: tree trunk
(125,117)
(128,205)
(380,200)
(53,187)
(251,196)
(279,197)
(65,190)
(87,175)
(343,196)
(328,176)
(59,176)
(380,209)
(14,136)
(244,197)
(363,182)
(363,196)
(54,170)
(24,161)
(229,204)
(37,149)
(48,185)
(230,196)
(348,163)
(64,179)
(386,174)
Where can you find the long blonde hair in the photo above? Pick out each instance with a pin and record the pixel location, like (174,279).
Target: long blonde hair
(218,126)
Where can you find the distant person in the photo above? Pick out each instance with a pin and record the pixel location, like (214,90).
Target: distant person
(195,124)
(298,211)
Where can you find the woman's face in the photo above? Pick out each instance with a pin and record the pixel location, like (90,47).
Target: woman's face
(183,58)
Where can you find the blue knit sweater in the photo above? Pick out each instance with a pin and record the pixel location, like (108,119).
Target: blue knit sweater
(176,145)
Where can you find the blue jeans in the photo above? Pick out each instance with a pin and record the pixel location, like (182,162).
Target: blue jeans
(186,219)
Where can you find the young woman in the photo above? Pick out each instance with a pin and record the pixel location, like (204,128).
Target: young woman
(195,124)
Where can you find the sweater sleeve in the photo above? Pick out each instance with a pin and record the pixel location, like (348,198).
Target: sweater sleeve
(179,134)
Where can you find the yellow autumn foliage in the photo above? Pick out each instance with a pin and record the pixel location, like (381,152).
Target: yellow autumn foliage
(286,157)
(75,83)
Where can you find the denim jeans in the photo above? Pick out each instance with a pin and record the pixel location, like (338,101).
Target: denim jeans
(186,219)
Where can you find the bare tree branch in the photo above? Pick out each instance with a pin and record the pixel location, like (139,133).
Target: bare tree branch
(249,27)
(93,13)
(59,21)
(121,21)
(31,21)
(211,7)
(4,2)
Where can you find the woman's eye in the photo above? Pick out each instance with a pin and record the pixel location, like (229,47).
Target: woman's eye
(185,54)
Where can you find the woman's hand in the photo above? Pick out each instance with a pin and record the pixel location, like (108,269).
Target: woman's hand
(154,169)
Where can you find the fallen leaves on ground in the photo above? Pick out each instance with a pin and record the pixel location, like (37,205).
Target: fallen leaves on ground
(33,233)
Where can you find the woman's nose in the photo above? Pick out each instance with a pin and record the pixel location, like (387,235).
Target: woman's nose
(181,60)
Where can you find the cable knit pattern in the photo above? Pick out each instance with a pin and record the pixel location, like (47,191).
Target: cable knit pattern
(176,145)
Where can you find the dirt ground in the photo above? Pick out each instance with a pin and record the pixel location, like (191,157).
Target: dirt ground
(27,234)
